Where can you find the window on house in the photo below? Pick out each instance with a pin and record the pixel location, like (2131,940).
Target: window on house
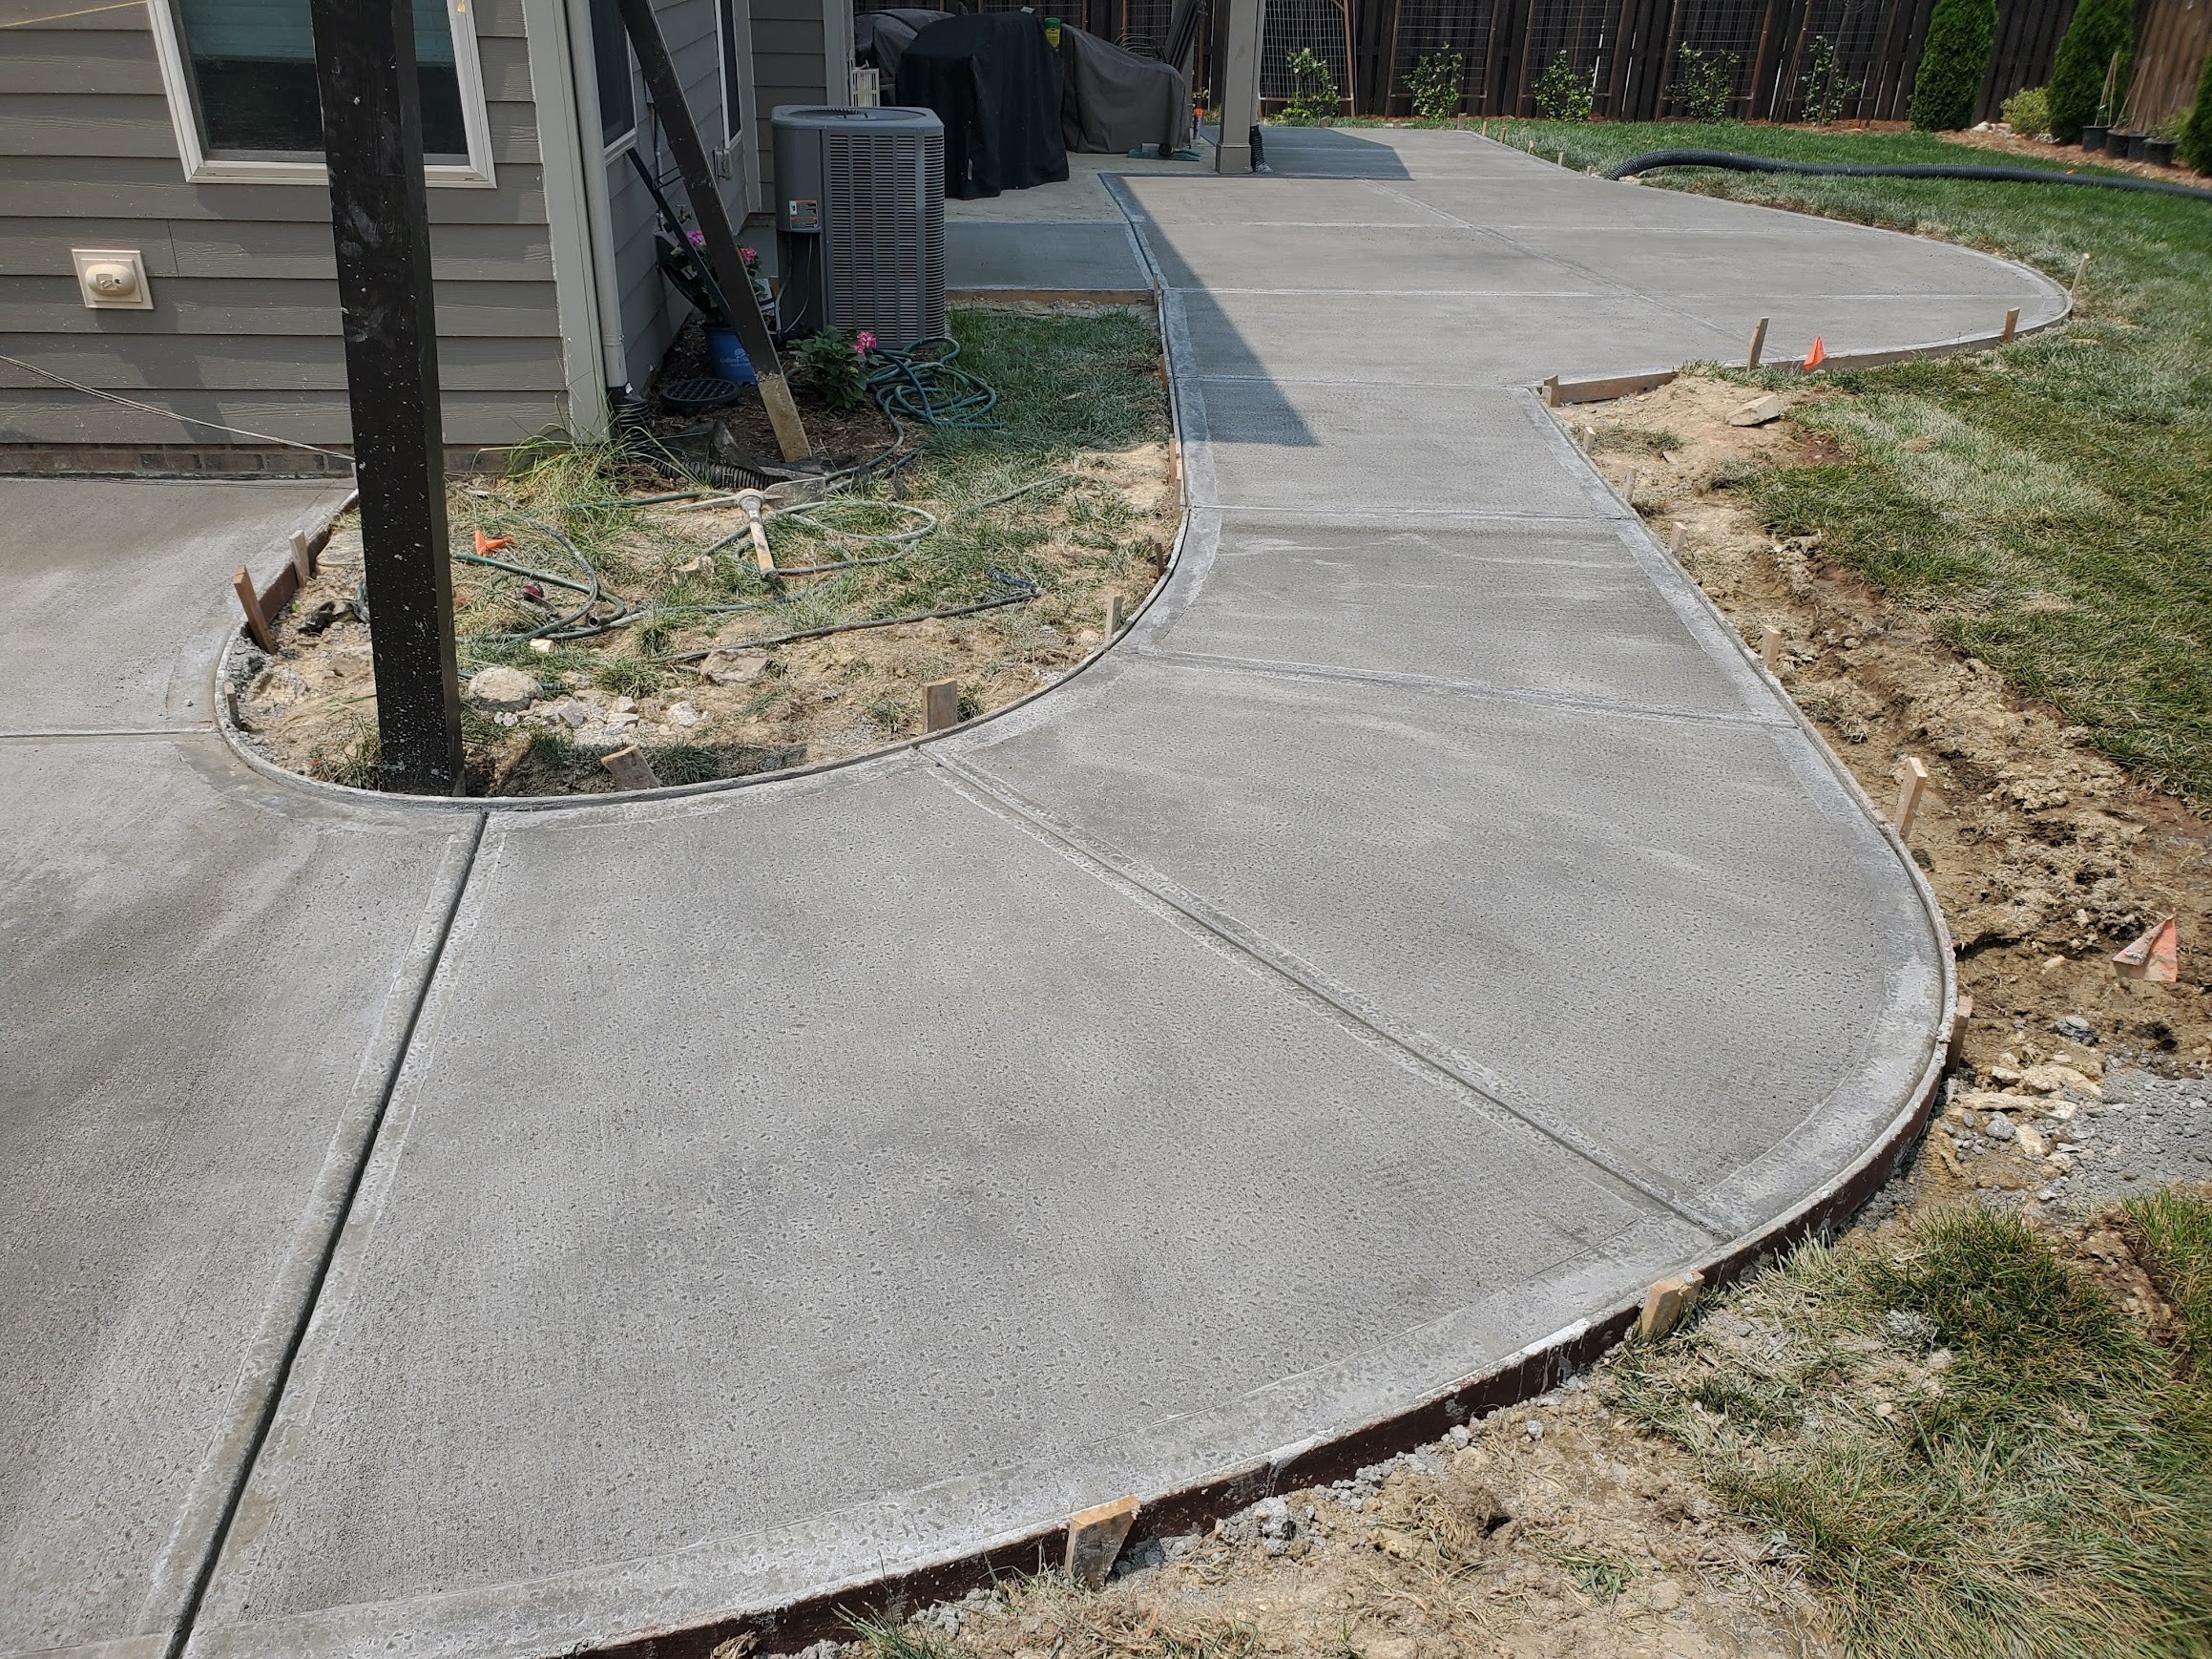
(733,74)
(611,59)
(253,85)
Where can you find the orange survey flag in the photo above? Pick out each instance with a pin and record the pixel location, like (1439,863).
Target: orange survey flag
(491,543)
(1818,355)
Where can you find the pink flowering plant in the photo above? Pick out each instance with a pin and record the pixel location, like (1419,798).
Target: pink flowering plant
(835,365)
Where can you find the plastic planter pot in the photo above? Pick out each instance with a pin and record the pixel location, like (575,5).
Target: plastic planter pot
(2093,138)
(728,357)
(2159,151)
(2128,144)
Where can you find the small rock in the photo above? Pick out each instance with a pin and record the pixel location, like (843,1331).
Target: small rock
(1459,1437)
(1908,1329)
(683,714)
(736,667)
(624,704)
(1536,1429)
(1757,412)
(2075,1029)
(1274,1519)
(1885,1410)
(1663,1596)
(502,690)
(573,714)
(1999,1128)
(2029,1141)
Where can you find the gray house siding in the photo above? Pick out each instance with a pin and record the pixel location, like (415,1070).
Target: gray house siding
(651,310)
(801,54)
(244,326)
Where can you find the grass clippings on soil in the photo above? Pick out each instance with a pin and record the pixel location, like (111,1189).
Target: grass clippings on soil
(1069,494)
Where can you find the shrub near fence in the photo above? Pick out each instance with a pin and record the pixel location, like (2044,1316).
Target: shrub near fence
(1630,54)
(1626,51)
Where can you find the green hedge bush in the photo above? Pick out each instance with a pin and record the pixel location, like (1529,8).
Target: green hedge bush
(2101,28)
(2195,148)
(1953,63)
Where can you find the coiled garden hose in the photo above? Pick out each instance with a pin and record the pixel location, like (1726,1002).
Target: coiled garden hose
(1734,164)
(922,382)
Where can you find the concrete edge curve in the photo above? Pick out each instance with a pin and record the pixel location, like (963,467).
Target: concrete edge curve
(815,1610)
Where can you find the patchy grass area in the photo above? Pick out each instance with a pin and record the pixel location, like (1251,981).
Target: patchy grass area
(1976,1452)
(2047,506)
(674,639)
(2171,1235)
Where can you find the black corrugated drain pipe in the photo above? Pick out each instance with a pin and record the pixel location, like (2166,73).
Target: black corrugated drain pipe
(1734,164)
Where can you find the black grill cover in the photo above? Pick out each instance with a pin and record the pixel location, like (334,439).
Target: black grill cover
(996,82)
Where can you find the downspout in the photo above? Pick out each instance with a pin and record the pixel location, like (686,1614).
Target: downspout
(599,209)
(568,215)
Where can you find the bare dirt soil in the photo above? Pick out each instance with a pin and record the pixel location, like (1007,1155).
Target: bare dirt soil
(310,705)
(2042,150)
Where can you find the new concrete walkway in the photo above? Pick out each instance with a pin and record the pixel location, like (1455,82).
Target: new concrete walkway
(1424,930)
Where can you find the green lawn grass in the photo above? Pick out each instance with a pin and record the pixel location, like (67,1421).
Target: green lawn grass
(1973,1451)
(2054,514)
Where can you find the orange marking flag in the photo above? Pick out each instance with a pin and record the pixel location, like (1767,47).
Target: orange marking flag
(491,543)
(2155,956)
(1818,355)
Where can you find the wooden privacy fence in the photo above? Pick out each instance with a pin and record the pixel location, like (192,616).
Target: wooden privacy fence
(2172,38)
(1630,53)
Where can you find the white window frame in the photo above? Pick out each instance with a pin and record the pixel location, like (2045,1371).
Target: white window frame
(611,150)
(727,56)
(201,168)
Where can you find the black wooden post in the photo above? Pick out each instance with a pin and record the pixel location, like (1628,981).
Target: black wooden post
(714,223)
(372,133)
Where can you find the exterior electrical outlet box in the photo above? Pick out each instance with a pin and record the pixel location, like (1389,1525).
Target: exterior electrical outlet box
(860,221)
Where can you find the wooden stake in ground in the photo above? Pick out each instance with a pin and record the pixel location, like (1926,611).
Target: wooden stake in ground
(250,602)
(372,136)
(629,769)
(1666,1303)
(940,705)
(1112,616)
(1758,343)
(2081,270)
(1910,788)
(2011,327)
(1095,1537)
(1771,648)
(674,116)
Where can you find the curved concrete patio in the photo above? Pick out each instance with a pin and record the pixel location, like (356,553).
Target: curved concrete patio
(1322,1017)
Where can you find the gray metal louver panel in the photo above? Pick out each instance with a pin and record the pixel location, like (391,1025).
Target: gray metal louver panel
(877,261)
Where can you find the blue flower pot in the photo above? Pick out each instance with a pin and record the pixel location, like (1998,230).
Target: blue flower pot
(728,358)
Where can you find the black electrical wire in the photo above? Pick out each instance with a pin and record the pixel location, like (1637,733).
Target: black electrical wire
(1735,163)
(1018,590)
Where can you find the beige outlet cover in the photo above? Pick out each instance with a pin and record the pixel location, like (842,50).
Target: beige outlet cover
(113,279)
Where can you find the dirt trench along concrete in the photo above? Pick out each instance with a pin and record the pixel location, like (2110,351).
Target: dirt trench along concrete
(1325,1014)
